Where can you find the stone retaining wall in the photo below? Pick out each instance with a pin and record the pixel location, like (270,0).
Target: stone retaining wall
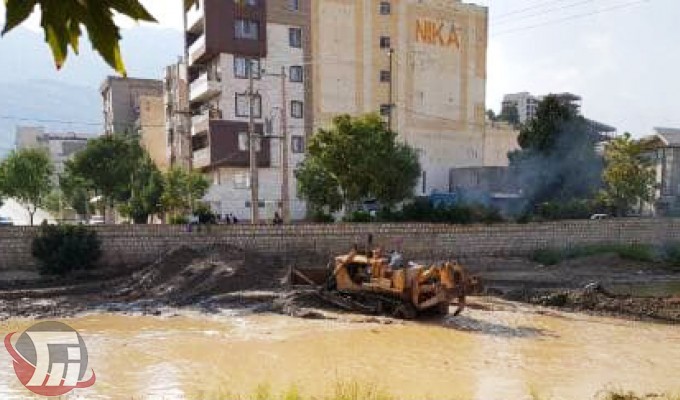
(137,244)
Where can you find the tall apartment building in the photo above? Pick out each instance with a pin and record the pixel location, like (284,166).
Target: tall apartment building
(121,100)
(421,63)
(526,104)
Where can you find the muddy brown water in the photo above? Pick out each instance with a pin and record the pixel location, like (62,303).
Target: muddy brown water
(499,351)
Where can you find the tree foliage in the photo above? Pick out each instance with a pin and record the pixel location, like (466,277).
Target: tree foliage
(146,188)
(25,176)
(628,176)
(106,167)
(356,159)
(557,161)
(63,22)
(182,189)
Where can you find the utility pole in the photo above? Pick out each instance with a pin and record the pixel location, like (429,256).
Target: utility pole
(252,141)
(390,53)
(182,106)
(285,194)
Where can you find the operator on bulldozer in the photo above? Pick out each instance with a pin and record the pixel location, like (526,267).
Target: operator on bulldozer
(407,291)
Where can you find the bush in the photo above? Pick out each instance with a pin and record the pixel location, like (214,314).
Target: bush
(322,218)
(61,249)
(178,220)
(358,216)
(636,252)
(205,214)
(422,210)
(672,254)
(547,256)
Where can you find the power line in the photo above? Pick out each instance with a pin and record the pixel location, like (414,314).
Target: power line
(534,7)
(572,17)
(545,12)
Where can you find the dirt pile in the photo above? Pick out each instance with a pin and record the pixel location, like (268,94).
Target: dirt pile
(599,301)
(185,275)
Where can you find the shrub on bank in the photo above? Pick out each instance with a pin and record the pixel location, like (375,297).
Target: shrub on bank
(61,249)
(423,211)
(635,252)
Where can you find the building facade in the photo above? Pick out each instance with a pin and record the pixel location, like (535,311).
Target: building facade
(524,105)
(59,146)
(420,63)
(664,147)
(121,101)
(152,132)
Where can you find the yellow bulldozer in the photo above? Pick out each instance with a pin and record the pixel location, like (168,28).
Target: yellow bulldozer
(378,283)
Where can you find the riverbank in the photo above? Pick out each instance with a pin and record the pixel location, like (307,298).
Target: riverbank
(214,278)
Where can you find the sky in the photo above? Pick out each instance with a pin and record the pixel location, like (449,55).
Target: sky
(621,56)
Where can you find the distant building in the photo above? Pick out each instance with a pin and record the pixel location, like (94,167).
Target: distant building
(664,147)
(121,101)
(524,103)
(60,146)
(177,118)
(500,138)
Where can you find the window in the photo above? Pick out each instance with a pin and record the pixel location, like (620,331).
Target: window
(296,73)
(246,29)
(294,5)
(242,180)
(295,37)
(385,42)
(297,144)
(243,106)
(243,65)
(385,109)
(243,144)
(296,109)
(385,76)
(385,8)
(260,204)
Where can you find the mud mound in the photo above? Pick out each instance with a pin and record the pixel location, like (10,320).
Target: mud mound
(185,275)
(665,309)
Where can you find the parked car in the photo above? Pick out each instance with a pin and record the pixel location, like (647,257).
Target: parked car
(6,221)
(96,220)
(599,216)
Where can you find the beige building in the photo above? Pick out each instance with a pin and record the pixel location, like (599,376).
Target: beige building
(433,83)
(500,138)
(152,132)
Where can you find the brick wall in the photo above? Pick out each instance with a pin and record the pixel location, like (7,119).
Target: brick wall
(136,244)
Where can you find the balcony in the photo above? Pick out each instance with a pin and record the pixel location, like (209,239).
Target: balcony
(204,88)
(200,123)
(202,158)
(197,50)
(195,18)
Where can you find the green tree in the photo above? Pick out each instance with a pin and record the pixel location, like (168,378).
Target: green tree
(25,176)
(145,194)
(53,203)
(107,167)
(557,161)
(628,176)
(181,190)
(356,159)
(77,193)
(62,22)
